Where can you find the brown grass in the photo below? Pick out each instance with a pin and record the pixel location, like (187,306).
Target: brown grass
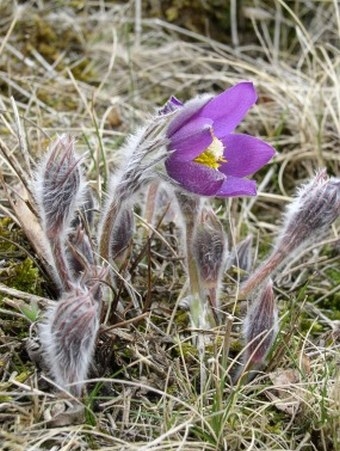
(95,69)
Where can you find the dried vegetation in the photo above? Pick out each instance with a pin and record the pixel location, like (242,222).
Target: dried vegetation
(95,69)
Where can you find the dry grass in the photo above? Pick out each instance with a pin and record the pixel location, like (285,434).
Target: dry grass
(95,69)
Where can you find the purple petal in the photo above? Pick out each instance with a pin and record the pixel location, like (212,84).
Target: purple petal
(244,154)
(191,140)
(186,113)
(229,108)
(195,177)
(234,186)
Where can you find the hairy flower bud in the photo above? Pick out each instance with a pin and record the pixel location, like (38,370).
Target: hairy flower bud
(315,208)
(260,326)
(241,256)
(141,154)
(85,215)
(209,248)
(68,337)
(189,205)
(80,255)
(122,236)
(312,212)
(59,186)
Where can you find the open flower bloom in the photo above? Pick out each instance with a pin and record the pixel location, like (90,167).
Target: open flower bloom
(206,158)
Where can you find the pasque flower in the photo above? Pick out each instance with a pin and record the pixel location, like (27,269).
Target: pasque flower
(261,325)
(68,336)
(59,186)
(308,217)
(206,157)
(209,248)
(59,189)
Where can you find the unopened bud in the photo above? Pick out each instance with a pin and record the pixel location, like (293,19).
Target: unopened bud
(80,252)
(260,326)
(313,211)
(242,255)
(209,248)
(315,208)
(58,186)
(142,153)
(189,205)
(122,235)
(68,337)
(85,215)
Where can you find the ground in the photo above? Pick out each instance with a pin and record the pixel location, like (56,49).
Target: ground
(97,70)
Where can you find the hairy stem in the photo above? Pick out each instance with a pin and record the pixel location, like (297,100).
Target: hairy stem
(199,308)
(264,270)
(61,263)
(109,221)
(151,202)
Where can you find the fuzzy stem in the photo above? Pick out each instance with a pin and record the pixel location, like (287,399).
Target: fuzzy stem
(267,267)
(199,307)
(61,264)
(213,297)
(201,317)
(109,221)
(151,202)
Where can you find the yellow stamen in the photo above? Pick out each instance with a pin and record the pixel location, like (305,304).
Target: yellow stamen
(213,155)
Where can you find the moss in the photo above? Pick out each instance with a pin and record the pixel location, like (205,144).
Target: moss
(57,43)
(201,17)
(9,236)
(24,276)
(182,319)
(18,270)
(308,324)
(46,38)
(84,70)
(236,346)
(60,101)
(188,351)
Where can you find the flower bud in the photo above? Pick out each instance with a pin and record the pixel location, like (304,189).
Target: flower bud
(242,255)
(85,216)
(260,326)
(312,212)
(59,186)
(68,338)
(122,235)
(315,208)
(141,155)
(190,205)
(209,248)
(80,255)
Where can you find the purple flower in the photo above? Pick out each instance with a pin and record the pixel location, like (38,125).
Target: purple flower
(206,158)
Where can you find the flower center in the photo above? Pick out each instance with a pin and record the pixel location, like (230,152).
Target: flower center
(213,155)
